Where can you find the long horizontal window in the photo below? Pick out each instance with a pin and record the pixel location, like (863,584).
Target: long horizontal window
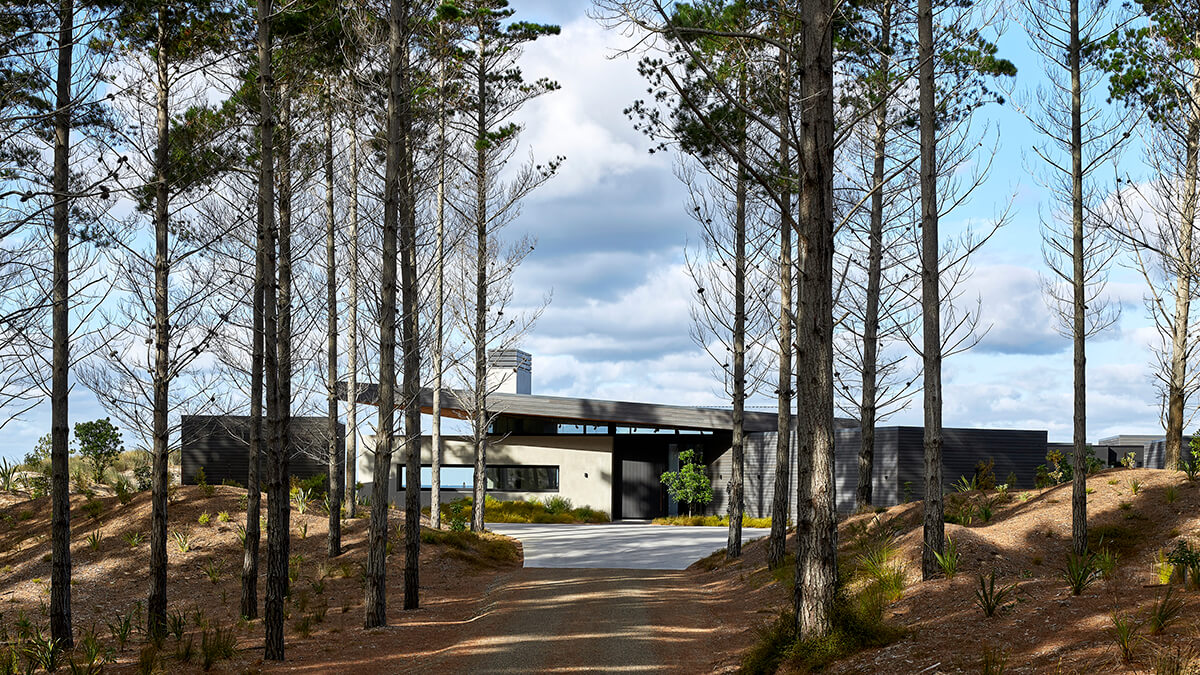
(523,478)
(507,478)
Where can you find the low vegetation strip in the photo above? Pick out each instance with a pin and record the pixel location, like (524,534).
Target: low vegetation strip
(711,521)
(555,509)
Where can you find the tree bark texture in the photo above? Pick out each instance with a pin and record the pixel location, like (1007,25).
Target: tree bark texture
(253,489)
(352,338)
(1177,382)
(276,574)
(60,529)
(480,341)
(733,545)
(780,501)
(156,603)
(935,527)
(410,286)
(1079,536)
(815,330)
(870,370)
(439,329)
(331,351)
(376,572)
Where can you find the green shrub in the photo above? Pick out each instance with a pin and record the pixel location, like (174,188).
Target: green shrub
(690,484)
(457,513)
(1164,610)
(991,599)
(1080,571)
(948,561)
(857,625)
(99,444)
(1124,632)
(315,485)
(216,645)
(985,474)
(472,547)
(8,476)
(555,505)
(709,521)
(143,477)
(204,518)
(202,483)
(93,509)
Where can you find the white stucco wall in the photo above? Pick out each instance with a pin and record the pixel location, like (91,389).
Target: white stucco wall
(585,466)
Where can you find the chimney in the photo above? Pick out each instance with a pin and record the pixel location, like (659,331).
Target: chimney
(509,371)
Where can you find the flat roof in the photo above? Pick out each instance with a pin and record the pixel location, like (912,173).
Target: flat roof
(585,410)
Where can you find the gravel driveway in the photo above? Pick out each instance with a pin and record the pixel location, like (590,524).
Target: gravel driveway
(617,545)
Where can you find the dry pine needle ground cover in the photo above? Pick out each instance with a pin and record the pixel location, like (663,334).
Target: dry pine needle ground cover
(1025,542)
(323,631)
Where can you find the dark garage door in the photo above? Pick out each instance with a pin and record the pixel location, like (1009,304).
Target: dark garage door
(641,489)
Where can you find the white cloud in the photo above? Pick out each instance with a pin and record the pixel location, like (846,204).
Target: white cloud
(584,120)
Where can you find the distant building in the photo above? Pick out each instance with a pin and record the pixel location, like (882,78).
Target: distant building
(610,455)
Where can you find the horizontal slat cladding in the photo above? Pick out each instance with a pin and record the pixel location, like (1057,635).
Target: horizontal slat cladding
(221,444)
(1156,452)
(1014,451)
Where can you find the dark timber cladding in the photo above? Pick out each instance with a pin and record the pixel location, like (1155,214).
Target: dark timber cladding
(221,443)
(898,468)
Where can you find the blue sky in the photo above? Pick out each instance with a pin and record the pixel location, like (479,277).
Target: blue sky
(611,230)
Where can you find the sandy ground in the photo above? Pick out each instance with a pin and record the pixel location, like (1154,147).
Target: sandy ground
(477,614)
(482,614)
(1046,630)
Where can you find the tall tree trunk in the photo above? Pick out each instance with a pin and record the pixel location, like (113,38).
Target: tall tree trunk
(935,527)
(156,603)
(1177,382)
(1079,536)
(283,504)
(435,483)
(733,545)
(352,338)
(331,354)
(60,566)
(815,333)
(376,573)
(802,365)
(276,587)
(870,370)
(410,336)
(253,488)
(780,511)
(480,338)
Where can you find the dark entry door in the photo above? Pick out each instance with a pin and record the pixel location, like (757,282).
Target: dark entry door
(641,489)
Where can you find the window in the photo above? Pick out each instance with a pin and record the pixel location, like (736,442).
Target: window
(503,478)
(523,478)
(452,477)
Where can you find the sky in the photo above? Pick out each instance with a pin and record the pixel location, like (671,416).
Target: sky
(611,231)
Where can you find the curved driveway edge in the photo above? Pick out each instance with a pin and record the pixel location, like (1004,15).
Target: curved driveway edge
(621,545)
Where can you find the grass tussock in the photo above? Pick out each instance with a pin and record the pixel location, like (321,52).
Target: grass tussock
(553,509)
(858,624)
(711,521)
(481,550)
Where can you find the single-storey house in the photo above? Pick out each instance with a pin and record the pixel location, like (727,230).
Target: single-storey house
(610,455)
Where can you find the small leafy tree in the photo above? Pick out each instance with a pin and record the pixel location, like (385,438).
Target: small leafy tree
(99,444)
(690,483)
